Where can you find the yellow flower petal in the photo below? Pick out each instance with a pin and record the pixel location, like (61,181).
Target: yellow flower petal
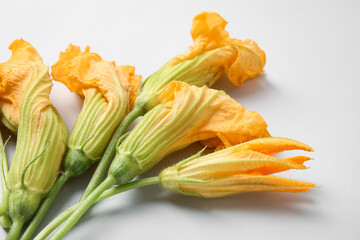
(273,145)
(15,75)
(208,33)
(228,123)
(246,183)
(242,162)
(42,134)
(83,70)
(129,82)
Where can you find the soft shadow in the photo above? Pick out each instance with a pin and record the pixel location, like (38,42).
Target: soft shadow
(266,203)
(175,158)
(250,87)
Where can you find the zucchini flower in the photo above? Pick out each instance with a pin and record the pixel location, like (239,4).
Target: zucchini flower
(187,114)
(213,54)
(109,93)
(238,169)
(42,135)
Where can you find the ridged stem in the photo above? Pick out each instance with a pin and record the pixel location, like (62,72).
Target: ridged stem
(35,222)
(83,207)
(108,193)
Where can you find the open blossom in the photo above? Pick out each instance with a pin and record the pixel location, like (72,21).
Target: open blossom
(213,54)
(109,92)
(16,77)
(238,169)
(42,134)
(187,114)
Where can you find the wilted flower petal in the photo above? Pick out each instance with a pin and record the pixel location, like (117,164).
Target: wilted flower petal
(16,77)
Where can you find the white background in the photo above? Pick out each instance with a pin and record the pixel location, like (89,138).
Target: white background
(310,92)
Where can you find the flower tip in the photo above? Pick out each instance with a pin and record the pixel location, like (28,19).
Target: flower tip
(211,18)
(19,43)
(23,50)
(209,25)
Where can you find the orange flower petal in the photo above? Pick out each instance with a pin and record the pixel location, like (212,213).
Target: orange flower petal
(208,32)
(240,183)
(273,145)
(15,76)
(227,122)
(109,93)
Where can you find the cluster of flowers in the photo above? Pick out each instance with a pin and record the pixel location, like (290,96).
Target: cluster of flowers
(178,108)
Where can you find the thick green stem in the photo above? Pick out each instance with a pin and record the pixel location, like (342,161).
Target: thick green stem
(83,207)
(109,154)
(56,222)
(15,230)
(108,193)
(35,222)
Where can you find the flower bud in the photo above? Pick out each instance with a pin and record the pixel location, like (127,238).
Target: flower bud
(237,169)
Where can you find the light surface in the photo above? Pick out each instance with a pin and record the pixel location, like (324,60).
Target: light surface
(310,92)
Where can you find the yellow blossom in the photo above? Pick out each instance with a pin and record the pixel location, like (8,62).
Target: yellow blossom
(187,114)
(15,80)
(213,54)
(42,134)
(238,169)
(108,92)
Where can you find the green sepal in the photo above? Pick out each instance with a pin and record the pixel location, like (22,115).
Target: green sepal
(121,139)
(29,164)
(198,154)
(124,168)
(4,178)
(29,201)
(76,162)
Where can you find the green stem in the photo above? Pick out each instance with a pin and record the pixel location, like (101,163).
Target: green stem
(108,193)
(83,207)
(35,222)
(126,187)
(15,230)
(110,150)
(56,222)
